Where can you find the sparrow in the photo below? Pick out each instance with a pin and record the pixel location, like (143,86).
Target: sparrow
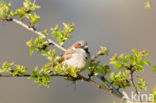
(77,56)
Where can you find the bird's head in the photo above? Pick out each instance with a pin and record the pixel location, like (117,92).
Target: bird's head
(81,44)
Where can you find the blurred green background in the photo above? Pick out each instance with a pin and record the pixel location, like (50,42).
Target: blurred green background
(120,25)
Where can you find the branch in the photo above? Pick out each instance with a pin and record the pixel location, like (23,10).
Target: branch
(96,56)
(79,77)
(110,90)
(132,82)
(134,86)
(27,75)
(49,40)
(110,86)
(37,32)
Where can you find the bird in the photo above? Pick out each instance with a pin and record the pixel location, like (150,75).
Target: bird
(77,56)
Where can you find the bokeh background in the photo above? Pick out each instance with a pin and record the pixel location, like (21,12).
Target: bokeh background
(120,25)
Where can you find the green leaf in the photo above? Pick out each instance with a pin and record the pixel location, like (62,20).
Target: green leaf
(104,50)
(27,3)
(32,49)
(4,10)
(145,53)
(105,69)
(125,60)
(153,96)
(34,18)
(30,43)
(148,4)
(121,56)
(120,79)
(30,6)
(19,70)
(142,84)
(45,32)
(154,69)
(136,52)
(132,60)
(7,67)
(42,77)
(62,35)
(71,71)
(140,67)
(93,66)
(146,61)
(112,77)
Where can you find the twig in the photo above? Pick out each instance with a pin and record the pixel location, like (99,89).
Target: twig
(134,86)
(38,33)
(103,87)
(27,75)
(10,75)
(95,57)
(110,86)
(99,53)
(132,82)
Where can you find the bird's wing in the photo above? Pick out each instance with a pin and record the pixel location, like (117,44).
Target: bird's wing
(67,55)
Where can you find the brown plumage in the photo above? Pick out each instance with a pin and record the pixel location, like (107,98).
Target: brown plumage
(67,55)
(70,51)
